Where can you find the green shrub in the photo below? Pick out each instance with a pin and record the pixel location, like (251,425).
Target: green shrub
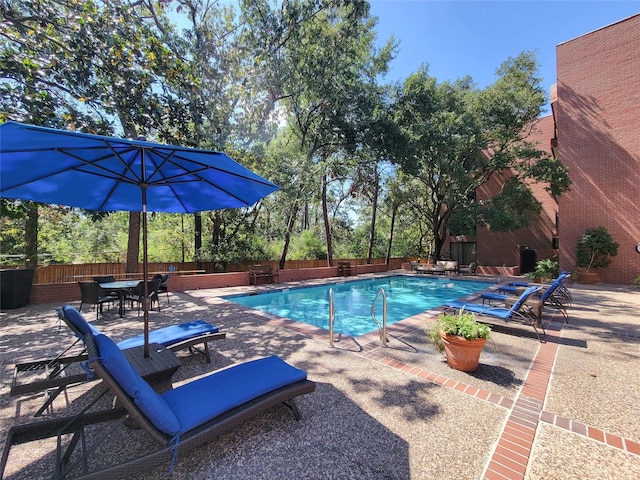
(546,268)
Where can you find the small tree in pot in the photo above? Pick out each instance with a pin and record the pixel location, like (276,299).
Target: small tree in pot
(594,250)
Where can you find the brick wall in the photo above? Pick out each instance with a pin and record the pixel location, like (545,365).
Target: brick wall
(70,292)
(504,248)
(598,125)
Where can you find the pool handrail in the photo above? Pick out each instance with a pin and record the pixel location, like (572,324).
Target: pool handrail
(332,313)
(382,328)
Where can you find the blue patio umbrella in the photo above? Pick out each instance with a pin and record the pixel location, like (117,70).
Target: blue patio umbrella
(111,174)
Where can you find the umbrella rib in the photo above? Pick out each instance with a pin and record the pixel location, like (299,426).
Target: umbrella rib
(204,167)
(169,181)
(164,181)
(110,174)
(126,167)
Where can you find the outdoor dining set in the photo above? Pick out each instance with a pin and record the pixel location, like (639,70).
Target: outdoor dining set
(107,290)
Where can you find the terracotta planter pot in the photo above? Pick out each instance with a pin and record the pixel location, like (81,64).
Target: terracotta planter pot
(588,278)
(463,354)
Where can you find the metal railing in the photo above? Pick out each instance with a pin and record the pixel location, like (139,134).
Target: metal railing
(382,328)
(332,315)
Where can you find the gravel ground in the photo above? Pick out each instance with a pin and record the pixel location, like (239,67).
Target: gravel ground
(365,419)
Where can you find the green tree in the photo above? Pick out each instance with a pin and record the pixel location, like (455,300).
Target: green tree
(86,65)
(457,137)
(323,61)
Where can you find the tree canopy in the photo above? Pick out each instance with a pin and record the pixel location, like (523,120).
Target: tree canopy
(293,90)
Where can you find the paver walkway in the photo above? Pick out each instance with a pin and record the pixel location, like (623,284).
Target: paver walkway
(511,455)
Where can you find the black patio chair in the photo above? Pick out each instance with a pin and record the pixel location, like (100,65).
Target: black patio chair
(137,295)
(92,294)
(164,279)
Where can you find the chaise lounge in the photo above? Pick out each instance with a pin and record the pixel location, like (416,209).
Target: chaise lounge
(178,420)
(549,297)
(519,311)
(175,337)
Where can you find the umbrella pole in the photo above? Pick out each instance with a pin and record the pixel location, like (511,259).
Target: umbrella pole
(145,272)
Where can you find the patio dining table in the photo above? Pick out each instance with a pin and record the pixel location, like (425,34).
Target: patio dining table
(121,287)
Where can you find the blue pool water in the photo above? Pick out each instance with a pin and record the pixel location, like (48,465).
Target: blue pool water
(406,296)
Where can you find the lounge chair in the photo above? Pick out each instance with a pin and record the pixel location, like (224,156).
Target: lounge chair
(512,287)
(549,297)
(175,337)
(179,419)
(468,270)
(519,311)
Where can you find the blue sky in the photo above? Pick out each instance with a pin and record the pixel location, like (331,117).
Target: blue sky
(458,38)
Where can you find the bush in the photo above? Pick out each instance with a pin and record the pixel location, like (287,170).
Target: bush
(546,268)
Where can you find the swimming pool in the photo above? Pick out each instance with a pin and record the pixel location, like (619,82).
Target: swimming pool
(406,296)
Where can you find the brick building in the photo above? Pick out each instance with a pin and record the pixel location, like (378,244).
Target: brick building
(597,117)
(595,131)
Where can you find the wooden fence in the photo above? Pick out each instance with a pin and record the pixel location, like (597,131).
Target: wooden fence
(74,273)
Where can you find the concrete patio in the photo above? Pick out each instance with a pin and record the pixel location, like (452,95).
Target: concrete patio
(566,408)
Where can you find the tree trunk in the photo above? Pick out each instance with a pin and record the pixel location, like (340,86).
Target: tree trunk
(291,221)
(287,235)
(197,238)
(133,244)
(393,222)
(374,209)
(305,217)
(327,226)
(31,238)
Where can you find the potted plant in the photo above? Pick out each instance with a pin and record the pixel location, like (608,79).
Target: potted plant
(594,250)
(461,337)
(545,269)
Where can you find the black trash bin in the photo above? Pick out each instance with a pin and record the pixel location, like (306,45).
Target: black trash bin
(15,287)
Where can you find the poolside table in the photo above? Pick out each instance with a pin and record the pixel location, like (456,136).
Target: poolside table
(158,368)
(121,287)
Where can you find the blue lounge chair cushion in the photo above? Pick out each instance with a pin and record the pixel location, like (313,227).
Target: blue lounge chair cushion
(468,306)
(149,402)
(76,318)
(553,287)
(502,313)
(169,335)
(508,288)
(493,296)
(206,398)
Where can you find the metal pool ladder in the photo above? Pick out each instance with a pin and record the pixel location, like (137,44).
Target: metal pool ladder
(332,315)
(382,328)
